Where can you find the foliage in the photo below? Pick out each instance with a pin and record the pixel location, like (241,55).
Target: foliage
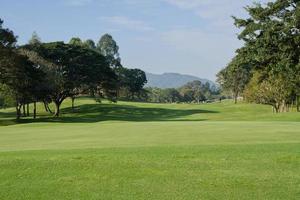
(52,72)
(131,83)
(89,44)
(108,47)
(194,91)
(271,36)
(6,97)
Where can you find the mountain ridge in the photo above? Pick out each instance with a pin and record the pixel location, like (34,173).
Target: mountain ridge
(173,80)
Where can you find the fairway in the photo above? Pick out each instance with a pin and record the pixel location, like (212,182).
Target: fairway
(99,100)
(151,151)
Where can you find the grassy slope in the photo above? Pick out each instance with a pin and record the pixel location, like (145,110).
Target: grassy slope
(152,151)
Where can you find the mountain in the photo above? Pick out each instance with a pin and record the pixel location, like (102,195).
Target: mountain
(172,80)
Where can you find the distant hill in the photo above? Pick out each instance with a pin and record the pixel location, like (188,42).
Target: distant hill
(172,80)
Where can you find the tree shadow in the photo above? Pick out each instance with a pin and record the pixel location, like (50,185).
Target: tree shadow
(90,113)
(7,118)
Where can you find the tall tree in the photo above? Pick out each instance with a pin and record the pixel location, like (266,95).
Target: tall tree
(271,36)
(108,47)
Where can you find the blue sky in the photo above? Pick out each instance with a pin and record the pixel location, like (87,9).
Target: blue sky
(195,37)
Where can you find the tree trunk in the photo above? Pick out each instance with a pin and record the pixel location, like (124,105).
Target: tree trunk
(24,110)
(235,96)
(18,109)
(46,107)
(27,106)
(34,110)
(276,109)
(283,107)
(73,100)
(57,109)
(298,103)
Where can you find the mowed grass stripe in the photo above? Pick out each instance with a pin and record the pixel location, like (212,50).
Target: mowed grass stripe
(106,135)
(188,172)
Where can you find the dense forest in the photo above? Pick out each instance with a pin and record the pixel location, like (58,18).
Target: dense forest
(266,69)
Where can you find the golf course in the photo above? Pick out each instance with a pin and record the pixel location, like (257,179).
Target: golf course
(131,150)
(150,100)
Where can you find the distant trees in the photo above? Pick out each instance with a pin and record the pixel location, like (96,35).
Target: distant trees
(196,91)
(192,92)
(35,39)
(267,69)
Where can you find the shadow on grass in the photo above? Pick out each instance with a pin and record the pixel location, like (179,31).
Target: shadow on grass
(91,113)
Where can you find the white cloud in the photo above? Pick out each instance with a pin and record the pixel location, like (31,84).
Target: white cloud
(77,2)
(189,4)
(128,23)
(213,9)
(215,14)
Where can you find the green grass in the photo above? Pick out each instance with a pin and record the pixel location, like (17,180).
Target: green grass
(151,151)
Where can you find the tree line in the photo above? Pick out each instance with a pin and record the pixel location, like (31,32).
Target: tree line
(266,69)
(51,72)
(192,92)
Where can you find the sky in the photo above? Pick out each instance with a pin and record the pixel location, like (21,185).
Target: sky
(195,37)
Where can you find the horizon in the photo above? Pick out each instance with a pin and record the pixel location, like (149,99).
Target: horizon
(195,33)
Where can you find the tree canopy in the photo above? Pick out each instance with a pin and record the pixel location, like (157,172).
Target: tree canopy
(266,69)
(52,72)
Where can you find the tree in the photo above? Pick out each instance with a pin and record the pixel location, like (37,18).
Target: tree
(21,77)
(154,94)
(195,91)
(43,83)
(72,67)
(7,38)
(108,47)
(35,39)
(89,44)
(236,75)
(13,68)
(170,95)
(6,97)
(271,36)
(132,81)
(76,41)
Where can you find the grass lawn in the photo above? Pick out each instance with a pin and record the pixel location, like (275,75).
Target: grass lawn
(151,151)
